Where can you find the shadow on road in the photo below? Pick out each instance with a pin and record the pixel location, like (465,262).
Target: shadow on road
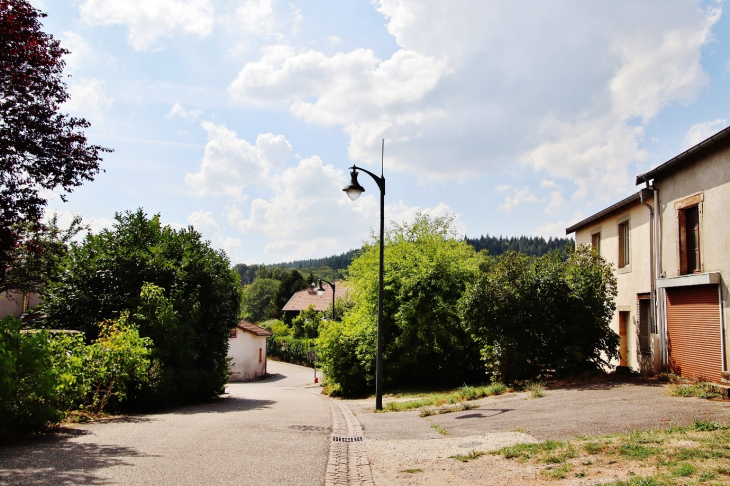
(496,411)
(224,405)
(608,383)
(55,460)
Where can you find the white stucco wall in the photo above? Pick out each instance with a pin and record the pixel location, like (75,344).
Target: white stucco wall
(709,177)
(632,280)
(244,351)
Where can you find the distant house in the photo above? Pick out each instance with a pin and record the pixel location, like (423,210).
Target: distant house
(17,304)
(304,298)
(247,350)
(677,225)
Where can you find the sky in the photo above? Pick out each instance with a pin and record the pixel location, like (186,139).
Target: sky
(241,117)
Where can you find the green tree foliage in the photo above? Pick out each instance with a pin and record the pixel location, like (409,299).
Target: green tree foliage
(331,268)
(38,261)
(427,270)
(246,272)
(41,149)
(188,311)
(533,316)
(27,380)
(259,300)
(306,324)
(529,245)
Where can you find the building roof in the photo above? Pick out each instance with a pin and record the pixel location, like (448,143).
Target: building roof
(304,298)
(683,157)
(253,329)
(600,214)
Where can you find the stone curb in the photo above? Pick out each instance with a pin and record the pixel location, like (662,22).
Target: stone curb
(348,462)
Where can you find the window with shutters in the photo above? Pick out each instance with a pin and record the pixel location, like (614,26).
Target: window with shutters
(644,323)
(624,244)
(689,240)
(232,334)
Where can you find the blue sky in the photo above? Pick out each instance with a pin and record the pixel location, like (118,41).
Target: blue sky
(518,118)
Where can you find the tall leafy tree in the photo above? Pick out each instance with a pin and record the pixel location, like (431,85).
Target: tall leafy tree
(188,310)
(41,149)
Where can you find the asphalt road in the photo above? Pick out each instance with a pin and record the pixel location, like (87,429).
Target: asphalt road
(274,432)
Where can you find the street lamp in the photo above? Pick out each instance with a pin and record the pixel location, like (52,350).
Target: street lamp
(353,190)
(320,291)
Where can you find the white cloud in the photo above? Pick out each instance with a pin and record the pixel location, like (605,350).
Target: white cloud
(502,188)
(547,183)
(557,202)
(565,88)
(178,110)
(557,229)
(333,39)
(80,50)
(517,198)
(701,131)
(148,21)
(88,99)
(256,16)
(205,223)
(231,164)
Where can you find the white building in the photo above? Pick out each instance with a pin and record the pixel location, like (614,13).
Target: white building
(247,350)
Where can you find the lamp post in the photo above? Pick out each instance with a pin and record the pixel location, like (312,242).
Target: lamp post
(353,190)
(320,291)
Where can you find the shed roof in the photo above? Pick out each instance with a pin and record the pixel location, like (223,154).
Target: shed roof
(253,329)
(683,157)
(600,214)
(304,298)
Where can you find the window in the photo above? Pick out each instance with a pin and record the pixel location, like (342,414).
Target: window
(232,335)
(596,242)
(689,240)
(644,323)
(624,245)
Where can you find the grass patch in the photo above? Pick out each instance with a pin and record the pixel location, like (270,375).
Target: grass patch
(412,471)
(558,472)
(457,397)
(695,454)
(700,389)
(468,457)
(438,428)
(536,389)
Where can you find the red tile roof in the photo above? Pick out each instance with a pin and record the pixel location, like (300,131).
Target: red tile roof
(304,298)
(253,329)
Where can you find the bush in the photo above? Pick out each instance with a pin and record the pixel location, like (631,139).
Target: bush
(173,286)
(277,327)
(536,316)
(295,350)
(27,380)
(427,269)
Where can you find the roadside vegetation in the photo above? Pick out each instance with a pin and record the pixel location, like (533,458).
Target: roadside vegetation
(458,397)
(698,453)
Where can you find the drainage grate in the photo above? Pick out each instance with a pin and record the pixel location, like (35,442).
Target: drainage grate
(346,439)
(308,428)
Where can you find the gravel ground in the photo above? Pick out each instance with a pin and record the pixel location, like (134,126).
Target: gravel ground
(252,437)
(402,441)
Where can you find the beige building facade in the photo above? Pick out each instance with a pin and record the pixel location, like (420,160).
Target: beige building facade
(672,302)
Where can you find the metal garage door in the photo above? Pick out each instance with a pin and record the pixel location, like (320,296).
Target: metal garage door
(693,328)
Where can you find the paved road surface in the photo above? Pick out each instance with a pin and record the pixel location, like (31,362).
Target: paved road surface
(270,432)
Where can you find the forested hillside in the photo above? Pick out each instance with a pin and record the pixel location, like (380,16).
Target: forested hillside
(331,267)
(529,245)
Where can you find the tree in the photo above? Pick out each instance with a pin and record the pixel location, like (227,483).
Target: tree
(259,300)
(427,270)
(306,324)
(538,316)
(41,149)
(180,292)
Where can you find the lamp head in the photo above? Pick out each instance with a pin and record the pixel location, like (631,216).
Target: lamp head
(353,189)
(320,289)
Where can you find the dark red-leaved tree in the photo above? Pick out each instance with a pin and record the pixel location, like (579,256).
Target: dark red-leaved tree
(41,149)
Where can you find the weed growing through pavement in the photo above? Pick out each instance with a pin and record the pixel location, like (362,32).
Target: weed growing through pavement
(438,428)
(536,389)
(412,471)
(468,457)
(698,453)
(457,397)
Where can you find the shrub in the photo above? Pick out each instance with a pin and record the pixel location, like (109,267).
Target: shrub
(295,350)
(534,316)
(27,380)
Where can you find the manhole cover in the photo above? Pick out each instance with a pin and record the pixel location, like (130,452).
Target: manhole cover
(469,445)
(308,428)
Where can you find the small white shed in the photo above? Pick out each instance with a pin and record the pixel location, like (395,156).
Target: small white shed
(247,348)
